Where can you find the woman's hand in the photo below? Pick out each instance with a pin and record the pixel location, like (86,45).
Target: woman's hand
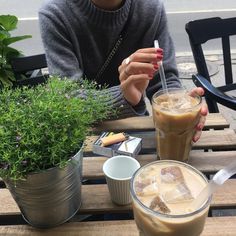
(136,71)
(204,112)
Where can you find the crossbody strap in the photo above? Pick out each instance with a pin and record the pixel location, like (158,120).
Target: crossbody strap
(115,47)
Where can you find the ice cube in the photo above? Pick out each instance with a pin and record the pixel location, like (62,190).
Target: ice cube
(151,189)
(165,105)
(147,187)
(185,102)
(171,175)
(140,185)
(158,205)
(179,193)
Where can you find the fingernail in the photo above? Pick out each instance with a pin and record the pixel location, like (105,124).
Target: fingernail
(200,126)
(159,57)
(196,138)
(156,66)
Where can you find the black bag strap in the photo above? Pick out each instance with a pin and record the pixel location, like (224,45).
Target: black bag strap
(115,47)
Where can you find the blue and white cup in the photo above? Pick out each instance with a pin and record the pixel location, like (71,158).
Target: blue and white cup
(118,171)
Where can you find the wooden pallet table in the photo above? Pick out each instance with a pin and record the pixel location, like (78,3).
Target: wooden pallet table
(215,149)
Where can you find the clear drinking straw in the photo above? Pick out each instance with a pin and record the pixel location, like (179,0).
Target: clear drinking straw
(161,70)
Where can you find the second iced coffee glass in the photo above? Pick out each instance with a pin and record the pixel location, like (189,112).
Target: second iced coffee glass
(175,115)
(162,193)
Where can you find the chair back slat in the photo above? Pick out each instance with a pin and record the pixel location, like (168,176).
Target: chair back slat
(204,30)
(28,70)
(227,60)
(200,61)
(24,64)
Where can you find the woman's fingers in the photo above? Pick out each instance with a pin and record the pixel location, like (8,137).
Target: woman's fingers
(203,112)
(136,71)
(201,123)
(204,109)
(141,68)
(138,82)
(143,56)
(137,68)
(148,55)
(198,90)
(134,86)
(149,50)
(197,136)
(153,57)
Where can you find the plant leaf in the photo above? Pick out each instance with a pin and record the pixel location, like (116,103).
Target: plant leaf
(10,53)
(10,75)
(2,61)
(5,79)
(11,40)
(8,22)
(4,34)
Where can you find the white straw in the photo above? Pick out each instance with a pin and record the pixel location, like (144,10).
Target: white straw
(161,69)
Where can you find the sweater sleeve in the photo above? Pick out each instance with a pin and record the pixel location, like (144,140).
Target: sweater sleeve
(122,107)
(60,55)
(114,99)
(169,62)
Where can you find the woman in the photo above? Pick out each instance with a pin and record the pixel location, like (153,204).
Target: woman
(111,42)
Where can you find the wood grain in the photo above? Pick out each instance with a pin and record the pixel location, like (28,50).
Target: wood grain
(218,226)
(96,199)
(212,139)
(213,120)
(207,162)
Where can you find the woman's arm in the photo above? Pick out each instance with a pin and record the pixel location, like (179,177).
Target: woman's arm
(59,50)
(63,62)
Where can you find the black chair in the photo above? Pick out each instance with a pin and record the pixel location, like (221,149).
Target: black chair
(199,32)
(28,70)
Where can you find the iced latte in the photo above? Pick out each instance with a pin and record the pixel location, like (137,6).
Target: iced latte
(175,115)
(162,193)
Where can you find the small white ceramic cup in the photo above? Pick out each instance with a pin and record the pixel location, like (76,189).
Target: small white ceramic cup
(118,171)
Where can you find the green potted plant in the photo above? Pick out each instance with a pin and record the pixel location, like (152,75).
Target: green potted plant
(8,23)
(42,131)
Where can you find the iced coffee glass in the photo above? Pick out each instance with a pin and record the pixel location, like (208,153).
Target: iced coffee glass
(175,115)
(162,193)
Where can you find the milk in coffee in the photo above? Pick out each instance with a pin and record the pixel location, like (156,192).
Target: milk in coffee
(162,194)
(175,116)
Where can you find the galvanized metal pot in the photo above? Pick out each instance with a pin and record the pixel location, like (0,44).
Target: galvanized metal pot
(51,197)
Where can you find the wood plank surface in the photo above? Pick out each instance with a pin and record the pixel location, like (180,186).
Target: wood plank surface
(217,226)
(214,120)
(212,139)
(217,139)
(96,199)
(223,197)
(207,162)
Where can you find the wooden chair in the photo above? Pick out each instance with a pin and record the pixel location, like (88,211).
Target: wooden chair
(28,70)
(199,32)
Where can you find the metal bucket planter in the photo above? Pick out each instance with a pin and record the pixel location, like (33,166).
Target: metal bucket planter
(51,197)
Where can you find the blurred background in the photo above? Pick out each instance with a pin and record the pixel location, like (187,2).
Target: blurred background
(179,13)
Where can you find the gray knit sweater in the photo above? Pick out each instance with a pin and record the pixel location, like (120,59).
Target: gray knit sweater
(78,36)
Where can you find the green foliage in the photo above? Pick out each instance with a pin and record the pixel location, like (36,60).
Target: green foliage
(7,24)
(45,126)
